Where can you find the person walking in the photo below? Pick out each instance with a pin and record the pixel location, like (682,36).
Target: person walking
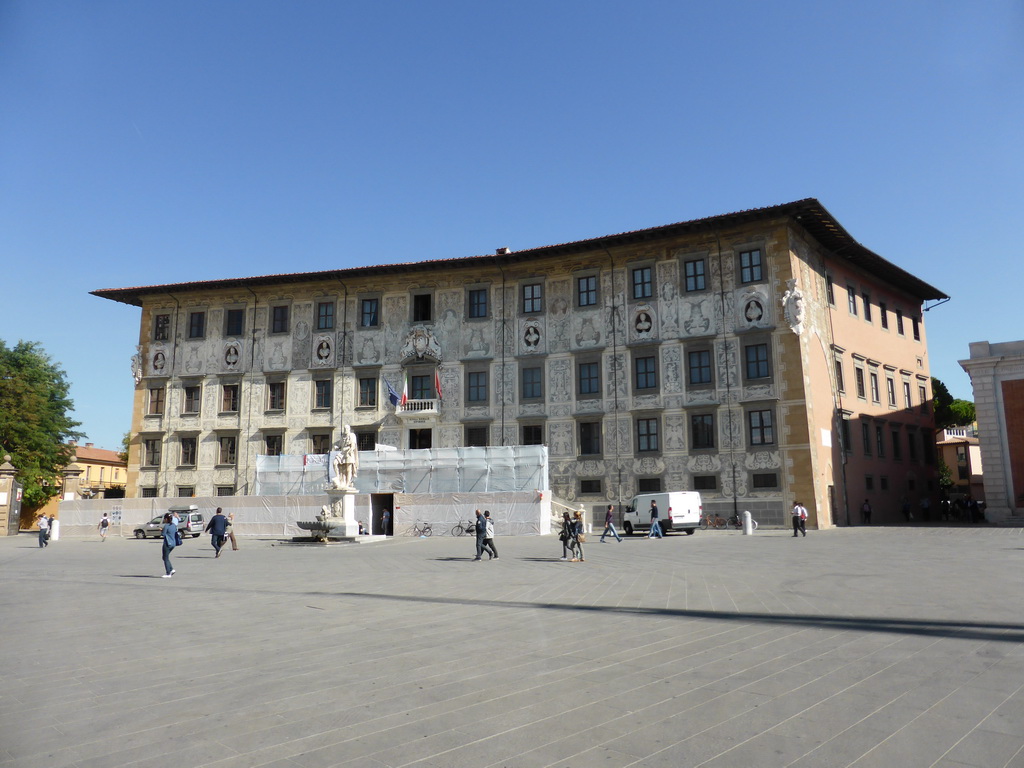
(799,514)
(44,532)
(169,533)
(655,532)
(481,534)
(492,551)
(231,531)
(104,524)
(865,513)
(567,536)
(217,528)
(385,521)
(579,536)
(609,524)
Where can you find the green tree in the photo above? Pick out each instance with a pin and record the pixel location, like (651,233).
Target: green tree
(950,412)
(126,442)
(35,427)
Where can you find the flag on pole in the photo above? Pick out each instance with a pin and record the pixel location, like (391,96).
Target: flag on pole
(392,394)
(405,390)
(437,385)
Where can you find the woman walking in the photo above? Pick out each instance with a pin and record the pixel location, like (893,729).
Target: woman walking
(567,536)
(170,537)
(577,525)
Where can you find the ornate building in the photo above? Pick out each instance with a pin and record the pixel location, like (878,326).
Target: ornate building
(718,355)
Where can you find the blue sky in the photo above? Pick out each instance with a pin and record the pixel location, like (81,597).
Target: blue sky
(157,142)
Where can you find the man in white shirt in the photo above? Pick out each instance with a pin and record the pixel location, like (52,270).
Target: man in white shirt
(799,514)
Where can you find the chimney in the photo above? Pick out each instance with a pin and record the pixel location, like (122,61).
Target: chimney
(89,445)
(503,251)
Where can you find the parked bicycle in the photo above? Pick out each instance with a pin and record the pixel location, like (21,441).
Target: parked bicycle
(421,529)
(707,521)
(464,529)
(736,521)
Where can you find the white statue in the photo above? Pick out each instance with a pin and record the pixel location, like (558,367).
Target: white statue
(346,460)
(137,365)
(793,306)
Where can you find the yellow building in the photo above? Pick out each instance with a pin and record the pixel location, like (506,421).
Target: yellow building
(102,475)
(760,357)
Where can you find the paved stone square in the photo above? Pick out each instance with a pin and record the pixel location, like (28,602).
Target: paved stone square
(868,647)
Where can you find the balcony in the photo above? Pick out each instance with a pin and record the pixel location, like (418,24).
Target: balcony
(419,411)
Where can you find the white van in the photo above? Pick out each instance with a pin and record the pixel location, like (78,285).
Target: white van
(677,511)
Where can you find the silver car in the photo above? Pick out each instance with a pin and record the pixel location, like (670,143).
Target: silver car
(192,524)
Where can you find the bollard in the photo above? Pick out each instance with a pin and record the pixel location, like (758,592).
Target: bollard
(748,527)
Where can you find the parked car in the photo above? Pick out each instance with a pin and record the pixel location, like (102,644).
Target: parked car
(192,524)
(677,511)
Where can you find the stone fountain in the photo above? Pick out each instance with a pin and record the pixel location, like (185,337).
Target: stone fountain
(337,520)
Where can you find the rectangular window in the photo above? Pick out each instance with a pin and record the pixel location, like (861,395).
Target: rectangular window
(589,379)
(196,325)
(830,290)
(705,482)
(275,396)
(695,275)
(476,387)
(645,373)
(234,322)
(906,394)
(590,487)
(225,490)
(274,444)
(368,392)
(586,291)
(896,452)
(875,397)
(890,386)
(191,399)
(883,483)
(922,395)
(915,324)
(912,445)
(859,376)
(883,313)
(643,284)
(229,398)
(647,435)
(476,437)
(325,315)
(188,451)
(478,303)
(279,319)
(880,442)
(865,433)
(648,485)
(149,493)
(702,431)
(369,313)
(186,491)
(320,444)
(156,401)
(757,361)
(533,434)
(422,308)
(228,449)
(869,483)
(899,321)
(765,480)
(851,298)
(422,387)
(590,438)
(533,383)
(750,266)
(162,328)
(533,298)
(762,431)
(840,379)
(151,452)
(844,434)
(366,441)
(867,306)
(322,393)
(699,367)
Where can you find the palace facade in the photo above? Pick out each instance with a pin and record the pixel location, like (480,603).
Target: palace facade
(758,357)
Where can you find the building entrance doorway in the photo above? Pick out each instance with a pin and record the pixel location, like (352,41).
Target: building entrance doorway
(421,438)
(381,524)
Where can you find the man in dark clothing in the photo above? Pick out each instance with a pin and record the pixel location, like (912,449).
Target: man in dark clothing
(655,532)
(217,528)
(481,534)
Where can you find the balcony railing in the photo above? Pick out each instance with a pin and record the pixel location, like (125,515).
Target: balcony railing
(418,406)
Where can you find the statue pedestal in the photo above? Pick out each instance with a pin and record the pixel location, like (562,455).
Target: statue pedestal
(343,512)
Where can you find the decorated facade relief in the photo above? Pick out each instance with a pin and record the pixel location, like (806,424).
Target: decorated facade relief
(530,337)
(587,333)
(369,354)
(704,463)
(793,306)
(559,376)
(642,327)
(478,345)
(420,344)
(193,359)
(697,316)
(323,351)
(671,370)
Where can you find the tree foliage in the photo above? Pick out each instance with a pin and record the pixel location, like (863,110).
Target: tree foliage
(950,412)
(35,426)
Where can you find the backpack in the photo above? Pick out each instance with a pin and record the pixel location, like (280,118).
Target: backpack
(177,538)
(104,522)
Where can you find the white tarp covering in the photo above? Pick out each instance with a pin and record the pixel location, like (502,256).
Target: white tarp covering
(520,513)
(489,469)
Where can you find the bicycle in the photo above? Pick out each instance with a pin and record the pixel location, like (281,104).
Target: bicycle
(736,521)
(421,529)
(464,529)
(706,521)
